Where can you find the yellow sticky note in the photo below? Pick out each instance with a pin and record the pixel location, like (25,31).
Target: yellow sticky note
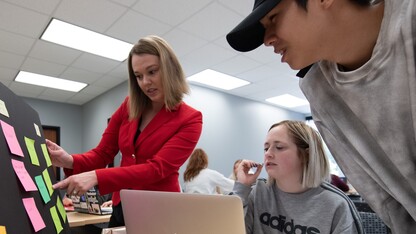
(56,220)
(3,110)
(46,155)
(61,208)
(3,230)
(48,181)
(30,145)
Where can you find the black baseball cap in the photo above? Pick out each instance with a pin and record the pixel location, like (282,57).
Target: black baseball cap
(249,34)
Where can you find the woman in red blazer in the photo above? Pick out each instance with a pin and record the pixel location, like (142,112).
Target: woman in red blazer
(154,130)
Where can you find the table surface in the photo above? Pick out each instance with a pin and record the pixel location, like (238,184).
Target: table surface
(76,219)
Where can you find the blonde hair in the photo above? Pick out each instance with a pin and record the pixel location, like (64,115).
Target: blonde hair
(173,77)
(197,162)
(309,144)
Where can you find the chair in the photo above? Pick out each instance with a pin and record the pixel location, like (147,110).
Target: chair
(372,224)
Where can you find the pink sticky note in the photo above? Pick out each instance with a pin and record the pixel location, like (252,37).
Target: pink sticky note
(33,213)
(24,177)
(11,139)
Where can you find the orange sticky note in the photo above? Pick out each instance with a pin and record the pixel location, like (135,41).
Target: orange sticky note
(3,230)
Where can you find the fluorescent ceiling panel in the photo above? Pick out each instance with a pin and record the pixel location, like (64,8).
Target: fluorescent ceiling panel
(50,82)
(287,100)
(217,79)
(82,39)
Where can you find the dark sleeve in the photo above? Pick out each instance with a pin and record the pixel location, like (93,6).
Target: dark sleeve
(336,181)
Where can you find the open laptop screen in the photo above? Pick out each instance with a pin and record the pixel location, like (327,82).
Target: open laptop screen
(90,202)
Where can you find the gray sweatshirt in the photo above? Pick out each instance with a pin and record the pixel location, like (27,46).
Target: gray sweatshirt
(324,209)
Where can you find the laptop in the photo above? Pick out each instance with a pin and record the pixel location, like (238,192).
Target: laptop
(181,213)
(90,202)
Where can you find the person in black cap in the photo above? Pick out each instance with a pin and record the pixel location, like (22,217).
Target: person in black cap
(357,58)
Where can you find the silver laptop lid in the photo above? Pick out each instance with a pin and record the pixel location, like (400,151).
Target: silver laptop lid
(181,213)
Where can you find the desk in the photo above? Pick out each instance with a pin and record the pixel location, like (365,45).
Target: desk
(76,219)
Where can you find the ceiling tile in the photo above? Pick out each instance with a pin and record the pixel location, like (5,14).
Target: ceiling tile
(95,63)
(183,43)
(80,75)
(43,6)
(7,74)
(15,43)
(26,90)
(138,26)
(21,21)
(54,53)
(9,60)
(95,15)
(42,67)
(212,22)
(170,12)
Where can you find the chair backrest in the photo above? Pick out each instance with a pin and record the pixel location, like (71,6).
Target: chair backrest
(373,224)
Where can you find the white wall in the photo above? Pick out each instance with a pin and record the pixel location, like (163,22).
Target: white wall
(233,127)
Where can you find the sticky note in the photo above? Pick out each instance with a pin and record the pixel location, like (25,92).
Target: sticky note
(11,139)
(42,189)
(46,155)
(61,208)
(3,111)
(48,181)
(33,213)
(56,220)
(37,130)
(23,175)
(30,145)
(3,230)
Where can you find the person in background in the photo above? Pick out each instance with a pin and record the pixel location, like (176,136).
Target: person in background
(153,128)
(233,175)
(198,178)
(297,197)
(337,182)
(357,58)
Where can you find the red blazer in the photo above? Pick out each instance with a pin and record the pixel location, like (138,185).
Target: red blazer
(150,163)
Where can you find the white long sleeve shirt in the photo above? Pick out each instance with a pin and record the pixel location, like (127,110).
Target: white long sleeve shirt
(206,182)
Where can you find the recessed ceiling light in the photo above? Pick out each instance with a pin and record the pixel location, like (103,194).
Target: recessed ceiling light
(287,100)
(69,35)
(50,82)
(217,79)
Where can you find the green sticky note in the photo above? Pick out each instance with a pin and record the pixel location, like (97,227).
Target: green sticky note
(48,181)
(30,145)
(61,208)
(46,155)
(56,220)
(42,188)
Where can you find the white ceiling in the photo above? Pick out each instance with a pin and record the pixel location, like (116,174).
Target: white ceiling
(196,30)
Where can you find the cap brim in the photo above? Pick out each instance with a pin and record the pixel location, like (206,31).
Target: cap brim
(249,34)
